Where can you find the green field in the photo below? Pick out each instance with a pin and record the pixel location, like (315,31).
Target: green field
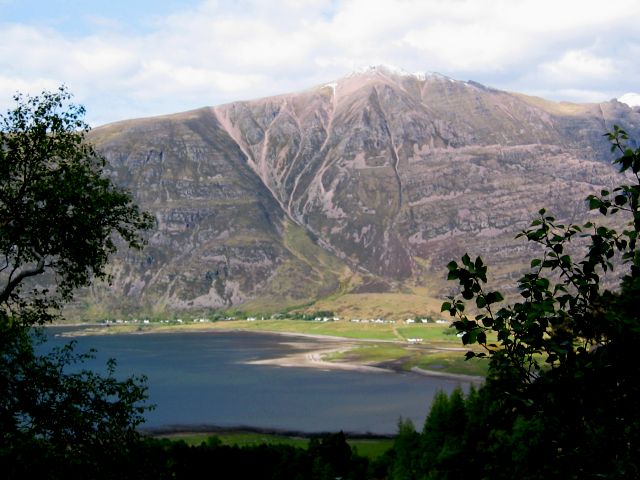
(453,362)
(430,332)
(345,329)
(332,329)
(403,357)
(362,331)
(367,447)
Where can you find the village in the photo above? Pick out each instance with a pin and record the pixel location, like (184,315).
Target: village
(323,317)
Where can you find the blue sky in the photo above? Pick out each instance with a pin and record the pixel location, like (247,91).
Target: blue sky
(149,57)
(83,17)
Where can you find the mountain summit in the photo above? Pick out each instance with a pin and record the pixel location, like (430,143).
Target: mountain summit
(392,71)
(369,183)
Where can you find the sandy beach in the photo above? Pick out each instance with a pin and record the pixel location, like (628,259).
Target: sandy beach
(313,357)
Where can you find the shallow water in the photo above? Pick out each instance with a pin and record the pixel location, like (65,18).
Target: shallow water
(200,379)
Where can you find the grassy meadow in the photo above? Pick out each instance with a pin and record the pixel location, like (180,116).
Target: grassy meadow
(367,447)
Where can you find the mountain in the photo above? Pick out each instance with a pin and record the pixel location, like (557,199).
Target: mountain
(367,184)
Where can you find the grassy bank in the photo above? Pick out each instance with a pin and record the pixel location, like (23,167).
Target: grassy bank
(360,331)
(402,357)
(367,447)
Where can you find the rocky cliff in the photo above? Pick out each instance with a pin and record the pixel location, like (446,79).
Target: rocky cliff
(369,183)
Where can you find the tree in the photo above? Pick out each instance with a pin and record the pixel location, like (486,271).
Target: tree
(563,374)
(58,212)
(405,464)
(60,219)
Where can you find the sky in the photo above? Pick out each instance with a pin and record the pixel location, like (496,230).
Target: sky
(137,58)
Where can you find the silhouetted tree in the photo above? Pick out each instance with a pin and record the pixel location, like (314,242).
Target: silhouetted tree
(58,217)
(563,376)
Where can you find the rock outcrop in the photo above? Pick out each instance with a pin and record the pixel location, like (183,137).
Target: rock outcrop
(378,178)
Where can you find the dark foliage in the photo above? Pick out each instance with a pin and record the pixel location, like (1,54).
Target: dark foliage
(58,418)
(563,389)
(58,212)
(58,218)
(326,458)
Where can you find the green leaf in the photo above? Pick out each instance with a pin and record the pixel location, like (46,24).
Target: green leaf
(620,200)
(494,297)
(594,203)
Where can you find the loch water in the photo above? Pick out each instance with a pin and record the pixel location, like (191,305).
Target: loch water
(203,379)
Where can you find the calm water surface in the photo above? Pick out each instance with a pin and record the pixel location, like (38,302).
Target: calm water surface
(199,379)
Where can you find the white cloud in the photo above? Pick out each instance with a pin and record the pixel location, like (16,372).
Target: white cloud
(579,64)
(457,48)
(96,57)
(631,99)
(227,50)
(168,78)
(14,85)
(579,95)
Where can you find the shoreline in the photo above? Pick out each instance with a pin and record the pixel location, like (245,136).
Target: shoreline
(314,359)
(311,355)
(212,430)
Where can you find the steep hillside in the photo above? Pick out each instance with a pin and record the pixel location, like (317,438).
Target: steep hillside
(369,183)
(221,237)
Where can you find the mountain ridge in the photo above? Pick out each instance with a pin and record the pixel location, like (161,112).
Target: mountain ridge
(385,176)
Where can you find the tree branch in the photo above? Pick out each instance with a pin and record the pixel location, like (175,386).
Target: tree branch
(13,283)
